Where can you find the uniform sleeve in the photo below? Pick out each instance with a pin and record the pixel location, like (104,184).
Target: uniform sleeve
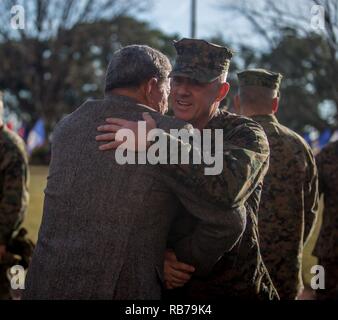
(217,201)
(311,198)
(242,161)
(206,231)
(14,199)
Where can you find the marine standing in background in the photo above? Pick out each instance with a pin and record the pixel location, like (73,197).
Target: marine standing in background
(289,201)
(13,192)
(327,245)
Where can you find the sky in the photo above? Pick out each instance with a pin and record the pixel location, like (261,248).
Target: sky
(173,16)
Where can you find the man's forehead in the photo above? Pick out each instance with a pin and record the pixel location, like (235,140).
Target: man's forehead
(190,80)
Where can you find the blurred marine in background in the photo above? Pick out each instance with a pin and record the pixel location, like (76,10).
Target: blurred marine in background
(13,198)
(327,245)
(289,199)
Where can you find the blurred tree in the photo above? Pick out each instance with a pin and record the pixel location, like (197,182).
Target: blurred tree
(299,48)
(59,59)
(218,39)
(304,61)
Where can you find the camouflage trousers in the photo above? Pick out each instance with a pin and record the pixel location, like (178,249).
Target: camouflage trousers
(331,280)
(244,282)
(240,274)
(19,252)
(4,284)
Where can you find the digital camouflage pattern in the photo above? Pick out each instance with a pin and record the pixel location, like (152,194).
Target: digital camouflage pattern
(13,183)
(327,245)
(19,252)
(240,273)
(288,206)
(260,78)
(200,60)
(13,192)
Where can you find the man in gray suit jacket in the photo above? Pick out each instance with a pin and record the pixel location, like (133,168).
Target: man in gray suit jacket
(105,225)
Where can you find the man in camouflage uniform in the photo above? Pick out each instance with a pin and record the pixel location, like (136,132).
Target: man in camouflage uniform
(198,85)
(327,245)
(289,199)
(13,193)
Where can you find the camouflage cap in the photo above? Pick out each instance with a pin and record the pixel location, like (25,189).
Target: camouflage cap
(260,78)
(200,60)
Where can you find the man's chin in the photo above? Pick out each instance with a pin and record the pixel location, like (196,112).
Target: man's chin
(182,115)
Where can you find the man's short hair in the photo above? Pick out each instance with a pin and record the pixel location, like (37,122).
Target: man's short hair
(132,65)
(256,97)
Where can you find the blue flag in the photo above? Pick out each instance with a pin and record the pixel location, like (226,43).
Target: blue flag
(324,138)
(36,137)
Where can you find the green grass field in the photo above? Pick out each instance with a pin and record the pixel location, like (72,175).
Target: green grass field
(38,175)
(33,220)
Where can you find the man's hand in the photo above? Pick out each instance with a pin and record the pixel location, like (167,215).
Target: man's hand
(176,274)
(2,251)
(115,124)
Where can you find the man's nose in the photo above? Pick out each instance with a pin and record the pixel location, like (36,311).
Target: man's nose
(183,89)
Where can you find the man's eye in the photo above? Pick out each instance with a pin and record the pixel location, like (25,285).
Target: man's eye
(177,81)
(196,83)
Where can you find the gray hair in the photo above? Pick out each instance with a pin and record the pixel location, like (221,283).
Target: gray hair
(132,65)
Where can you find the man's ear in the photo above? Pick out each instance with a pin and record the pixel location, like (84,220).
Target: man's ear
(223,91)
(275,105)
(147,90)
(237,104)
(150,86)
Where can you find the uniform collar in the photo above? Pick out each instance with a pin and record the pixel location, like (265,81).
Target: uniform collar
(265,118)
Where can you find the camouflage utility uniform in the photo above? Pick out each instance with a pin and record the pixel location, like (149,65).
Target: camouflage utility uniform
(240,272)
(13,192)
(288,206)
(289,199)
(327,246)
